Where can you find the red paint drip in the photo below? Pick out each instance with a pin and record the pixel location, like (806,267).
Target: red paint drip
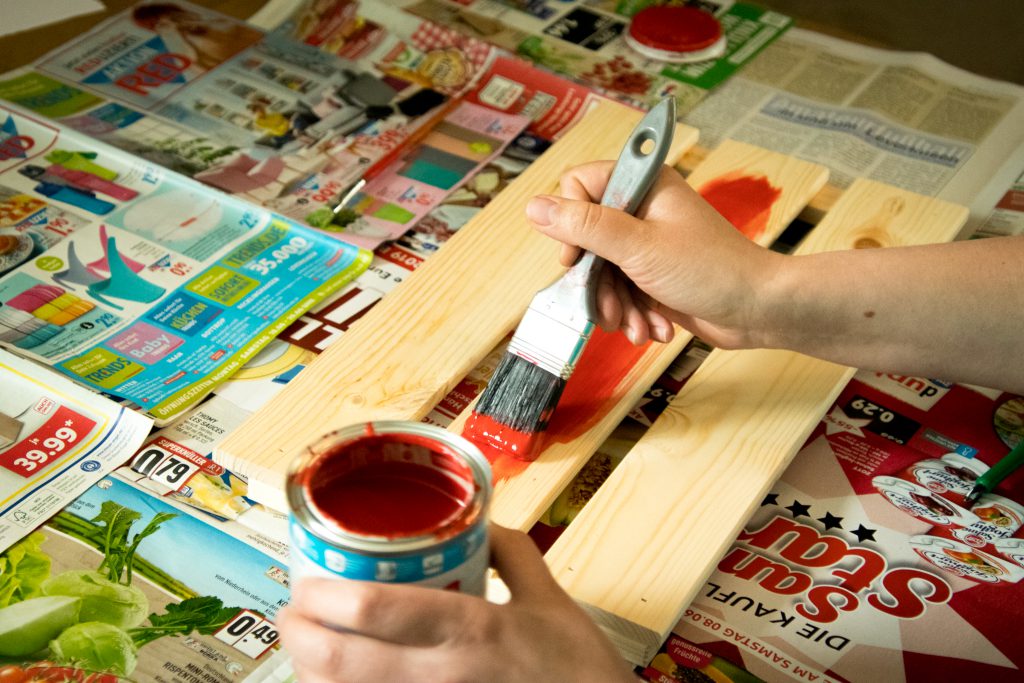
(745,201)
(589,393)
(390,499)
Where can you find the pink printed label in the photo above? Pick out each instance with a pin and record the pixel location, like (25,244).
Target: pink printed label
(145,343)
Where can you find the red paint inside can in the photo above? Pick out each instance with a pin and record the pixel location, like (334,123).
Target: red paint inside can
(392,486)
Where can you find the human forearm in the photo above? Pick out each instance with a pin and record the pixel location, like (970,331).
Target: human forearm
(950,311)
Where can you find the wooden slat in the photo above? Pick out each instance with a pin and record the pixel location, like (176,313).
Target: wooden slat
(644,545)
(521,499)
(403,357)
(816,208)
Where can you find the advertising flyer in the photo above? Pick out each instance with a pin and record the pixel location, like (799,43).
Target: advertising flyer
(169,286)
(268,119)
(105,590)
(56,439)
(585,41)
(864,562)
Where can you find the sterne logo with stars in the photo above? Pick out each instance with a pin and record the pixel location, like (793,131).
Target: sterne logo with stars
(829,521)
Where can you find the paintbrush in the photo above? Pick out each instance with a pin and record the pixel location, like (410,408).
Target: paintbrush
(542,355)
(1001,470)
(422,130)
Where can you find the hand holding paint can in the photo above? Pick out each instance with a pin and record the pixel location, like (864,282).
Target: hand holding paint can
(391,501)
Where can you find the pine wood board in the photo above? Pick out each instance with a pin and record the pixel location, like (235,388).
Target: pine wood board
(815,210)
(404,356)
(641,549)
(520,500)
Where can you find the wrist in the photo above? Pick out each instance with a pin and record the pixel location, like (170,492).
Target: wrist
(772,286)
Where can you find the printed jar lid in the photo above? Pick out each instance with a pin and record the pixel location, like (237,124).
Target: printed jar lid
(921,503)
(676,34)
(947,475)
(1012,549)
(1002,513)
(963,560)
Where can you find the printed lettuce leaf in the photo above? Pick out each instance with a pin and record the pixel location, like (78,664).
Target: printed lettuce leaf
(23,568)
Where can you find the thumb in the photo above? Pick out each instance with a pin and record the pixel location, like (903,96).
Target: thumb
(603,230)
(521,566)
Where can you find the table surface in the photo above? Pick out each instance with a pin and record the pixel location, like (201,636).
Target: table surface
(983,38)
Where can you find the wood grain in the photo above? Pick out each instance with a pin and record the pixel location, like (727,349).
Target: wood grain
(403,357)
(520,500)
(644,545)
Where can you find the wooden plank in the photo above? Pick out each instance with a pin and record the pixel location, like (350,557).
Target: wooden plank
(641,549)
(523,492)
(815,210)
(403,357)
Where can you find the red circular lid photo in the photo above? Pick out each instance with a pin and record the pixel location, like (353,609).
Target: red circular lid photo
(675,29)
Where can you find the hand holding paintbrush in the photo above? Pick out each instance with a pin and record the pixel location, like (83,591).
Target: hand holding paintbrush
(528,382)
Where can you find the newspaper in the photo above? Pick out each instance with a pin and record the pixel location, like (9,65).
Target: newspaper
(164,287)
(864,562)
(906,119)
(1007,216)
(584,40)
(110,587)
(267,118)
(56,439)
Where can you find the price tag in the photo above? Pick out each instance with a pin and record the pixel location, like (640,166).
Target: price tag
(48,443)
(883,421)
(164,467)
(249,633)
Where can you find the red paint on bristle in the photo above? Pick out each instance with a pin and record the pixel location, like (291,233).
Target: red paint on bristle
(589,393)
(745,201)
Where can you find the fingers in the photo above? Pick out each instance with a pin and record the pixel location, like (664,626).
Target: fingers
(609,304)
(586,182)
(607,232)
(405,614)
(327,655)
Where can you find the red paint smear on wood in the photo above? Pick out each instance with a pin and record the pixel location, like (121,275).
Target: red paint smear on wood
(745,201)
(591,391)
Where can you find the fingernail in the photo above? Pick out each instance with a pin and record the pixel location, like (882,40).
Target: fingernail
(540,210)
(630,335)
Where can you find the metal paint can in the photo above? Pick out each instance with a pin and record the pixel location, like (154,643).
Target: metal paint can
(394,502)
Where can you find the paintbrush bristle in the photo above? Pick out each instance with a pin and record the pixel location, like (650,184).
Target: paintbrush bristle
(520,395)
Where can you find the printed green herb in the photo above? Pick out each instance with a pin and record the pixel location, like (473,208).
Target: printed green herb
(205,614)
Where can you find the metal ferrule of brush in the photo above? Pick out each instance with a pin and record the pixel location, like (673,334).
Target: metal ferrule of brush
(558,323)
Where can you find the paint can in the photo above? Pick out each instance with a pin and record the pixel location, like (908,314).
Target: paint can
(394,502)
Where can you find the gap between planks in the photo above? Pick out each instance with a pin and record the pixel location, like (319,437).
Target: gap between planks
(519,501)
(404,356)
(642,548)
